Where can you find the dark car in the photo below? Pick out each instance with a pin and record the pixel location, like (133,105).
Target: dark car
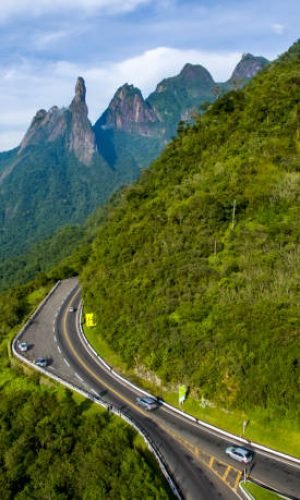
(42,362)
(147,402)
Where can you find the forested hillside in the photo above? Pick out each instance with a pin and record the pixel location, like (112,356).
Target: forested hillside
(195,275)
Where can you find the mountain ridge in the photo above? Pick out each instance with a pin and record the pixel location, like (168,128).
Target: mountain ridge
(65,167)
(194,276)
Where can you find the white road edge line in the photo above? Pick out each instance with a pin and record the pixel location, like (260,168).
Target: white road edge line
(78,376)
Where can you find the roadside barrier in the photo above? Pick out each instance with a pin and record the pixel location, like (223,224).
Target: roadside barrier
(214,430)
(98,400)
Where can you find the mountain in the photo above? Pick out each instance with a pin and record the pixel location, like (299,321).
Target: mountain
(65,167)
(55,177)
(71,126)
(140,127)
(246,69)
(194,278)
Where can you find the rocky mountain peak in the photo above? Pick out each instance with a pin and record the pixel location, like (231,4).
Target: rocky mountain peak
(71,124)
(191,72)
(128,111)
(80,90)
(247,68)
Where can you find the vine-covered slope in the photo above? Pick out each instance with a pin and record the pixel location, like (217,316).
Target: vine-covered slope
(195,274)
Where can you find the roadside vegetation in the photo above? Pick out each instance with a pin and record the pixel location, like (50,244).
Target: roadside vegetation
(194,276)
(51,444)
(258,492)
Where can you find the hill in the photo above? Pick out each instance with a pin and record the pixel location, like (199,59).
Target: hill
(64,167)
(194,276)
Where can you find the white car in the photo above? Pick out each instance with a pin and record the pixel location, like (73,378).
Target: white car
(240,454)
(23,346)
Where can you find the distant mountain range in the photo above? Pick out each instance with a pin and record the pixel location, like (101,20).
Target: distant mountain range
(65,167)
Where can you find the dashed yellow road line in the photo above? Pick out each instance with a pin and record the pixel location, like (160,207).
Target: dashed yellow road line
(226,472)
(195,450)
(238,478)
(87,368)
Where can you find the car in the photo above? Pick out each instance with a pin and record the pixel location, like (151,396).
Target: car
(240,454)
(71,309)
(23,346)
(42,362)
(147,402)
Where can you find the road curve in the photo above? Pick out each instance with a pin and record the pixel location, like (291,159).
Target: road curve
(170,432)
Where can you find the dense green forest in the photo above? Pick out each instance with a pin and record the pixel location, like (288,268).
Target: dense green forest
(54,447)
(195,274)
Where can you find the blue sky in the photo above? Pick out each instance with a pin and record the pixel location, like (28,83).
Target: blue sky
(44,47)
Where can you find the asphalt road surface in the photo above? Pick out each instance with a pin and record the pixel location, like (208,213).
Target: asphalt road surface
(54,333)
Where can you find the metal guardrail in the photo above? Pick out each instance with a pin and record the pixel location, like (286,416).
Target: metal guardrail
(211,428)
(98,400)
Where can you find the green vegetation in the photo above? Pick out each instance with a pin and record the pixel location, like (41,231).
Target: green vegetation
(258,492)
(195,274)
(54,445)
(47,188)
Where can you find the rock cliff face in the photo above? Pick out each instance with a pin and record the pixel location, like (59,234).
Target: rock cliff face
(68,124)
(45,182)
(247,69)
(174,99)
(81,140)
(128,111)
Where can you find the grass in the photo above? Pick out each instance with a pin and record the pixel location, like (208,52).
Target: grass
(277,433)
(38,295)
(258,492)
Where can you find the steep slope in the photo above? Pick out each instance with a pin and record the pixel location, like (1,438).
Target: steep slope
(55,177)
(71,125)
(195,274)
(246,69)
(64,168)
(134,130)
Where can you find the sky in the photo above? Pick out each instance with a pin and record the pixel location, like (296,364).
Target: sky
(46,44)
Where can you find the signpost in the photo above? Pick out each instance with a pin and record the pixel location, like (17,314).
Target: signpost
(182,394)
(90,320)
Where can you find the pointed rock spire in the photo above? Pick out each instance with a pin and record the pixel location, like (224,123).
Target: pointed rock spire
(80,90)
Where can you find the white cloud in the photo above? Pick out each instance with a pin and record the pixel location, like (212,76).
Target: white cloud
(31,8)
(30,86)
(278,28)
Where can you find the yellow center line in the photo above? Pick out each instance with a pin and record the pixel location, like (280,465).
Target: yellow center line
(236,483)
(227,472)
(86,367)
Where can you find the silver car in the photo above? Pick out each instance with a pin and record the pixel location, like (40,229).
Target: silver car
(147,402)
(240,454)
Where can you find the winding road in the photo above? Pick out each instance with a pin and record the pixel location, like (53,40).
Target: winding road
(193,453)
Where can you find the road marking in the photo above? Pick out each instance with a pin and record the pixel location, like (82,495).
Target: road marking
(88,369)
(55,339)
(78,376)
(59,348)
(67,363)
(94,392)
(238,477)
(226,472)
